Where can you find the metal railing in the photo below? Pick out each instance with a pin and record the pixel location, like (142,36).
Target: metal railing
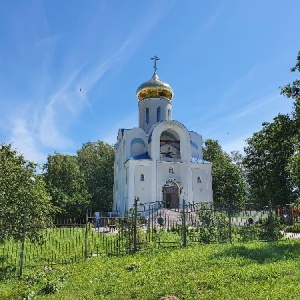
(144,226)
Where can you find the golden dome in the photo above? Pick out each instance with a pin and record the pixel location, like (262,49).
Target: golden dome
(154,88)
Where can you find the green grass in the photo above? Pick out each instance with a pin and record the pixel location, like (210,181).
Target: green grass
(58,245)
(239,271)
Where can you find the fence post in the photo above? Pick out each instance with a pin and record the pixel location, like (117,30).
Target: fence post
(86,235)
(271,221)
(183,224)
(22,248)
(229,220)
(136,199)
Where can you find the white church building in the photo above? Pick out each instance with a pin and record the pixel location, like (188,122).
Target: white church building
(161,160)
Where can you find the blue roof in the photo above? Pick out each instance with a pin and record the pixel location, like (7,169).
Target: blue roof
(194,145)
(199,160)
(142,156)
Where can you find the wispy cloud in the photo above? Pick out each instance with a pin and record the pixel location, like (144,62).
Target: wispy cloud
(212,20)
(24,141)
(238,87)
(51,110)
(127,123)
(93,71)
(257,105)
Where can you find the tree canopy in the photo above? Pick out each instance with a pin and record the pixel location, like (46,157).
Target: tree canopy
(273,154)
(266,157)
(81,182)
(96,162)
(293,91)
(227,179)
(66,184)
(23,197)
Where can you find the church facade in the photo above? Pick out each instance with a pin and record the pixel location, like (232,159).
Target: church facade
(160,160)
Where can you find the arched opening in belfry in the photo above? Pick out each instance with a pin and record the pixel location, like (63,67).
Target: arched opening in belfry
(169,144)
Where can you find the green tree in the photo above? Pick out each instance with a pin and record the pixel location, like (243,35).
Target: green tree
(227,178)
(273,154)
(267,155)
(293,91)
(96,161)
(23,196)
(66,185)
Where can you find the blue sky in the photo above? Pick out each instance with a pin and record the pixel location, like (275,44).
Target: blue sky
(225,61)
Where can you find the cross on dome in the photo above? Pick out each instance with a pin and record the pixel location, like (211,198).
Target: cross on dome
(155,58)
(154,88)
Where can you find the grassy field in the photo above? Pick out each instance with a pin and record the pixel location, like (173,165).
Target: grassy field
(239,271)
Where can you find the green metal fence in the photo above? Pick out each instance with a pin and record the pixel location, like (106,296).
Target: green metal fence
(151,225)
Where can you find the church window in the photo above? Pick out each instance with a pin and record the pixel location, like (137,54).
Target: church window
(142,177)
(169,114)
(198,179)
(147,115)
(158,114)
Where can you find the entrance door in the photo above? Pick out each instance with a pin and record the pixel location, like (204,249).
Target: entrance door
(171,196)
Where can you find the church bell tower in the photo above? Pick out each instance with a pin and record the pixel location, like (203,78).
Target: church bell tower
(154,101)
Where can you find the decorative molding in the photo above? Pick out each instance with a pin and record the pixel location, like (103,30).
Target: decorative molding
(173,181)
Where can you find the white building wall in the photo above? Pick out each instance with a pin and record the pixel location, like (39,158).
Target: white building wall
(196,143)
(202,191)
(182,174)
(152,104)
(185,144)
(136,142)
(142,188)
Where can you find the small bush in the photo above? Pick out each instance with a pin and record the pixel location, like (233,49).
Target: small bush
(294,228)
(270,231)
(213,225)
(245,233)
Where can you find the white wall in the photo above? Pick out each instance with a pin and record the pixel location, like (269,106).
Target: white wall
(153,104)
(143,188)
(196,140)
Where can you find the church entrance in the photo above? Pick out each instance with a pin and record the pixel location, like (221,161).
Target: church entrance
(171,196)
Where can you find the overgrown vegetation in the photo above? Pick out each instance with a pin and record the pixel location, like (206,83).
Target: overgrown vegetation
(23,197)
(83,181)
(223,271)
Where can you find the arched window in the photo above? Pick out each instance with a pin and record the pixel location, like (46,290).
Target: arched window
(147,115)
(169,114)
(142,177)
(198,179)
(158,113)
(169,145)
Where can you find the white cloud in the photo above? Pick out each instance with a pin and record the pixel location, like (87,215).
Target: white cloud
(238,87)
(127,123)
(236,144)
(48,116)
(24,141)
(256,105)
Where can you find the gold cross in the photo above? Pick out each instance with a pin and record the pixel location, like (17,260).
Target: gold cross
(155,58)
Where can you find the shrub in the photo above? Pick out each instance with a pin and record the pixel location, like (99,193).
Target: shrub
(213,226)
(294,228)
(268,231)
(246,233)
